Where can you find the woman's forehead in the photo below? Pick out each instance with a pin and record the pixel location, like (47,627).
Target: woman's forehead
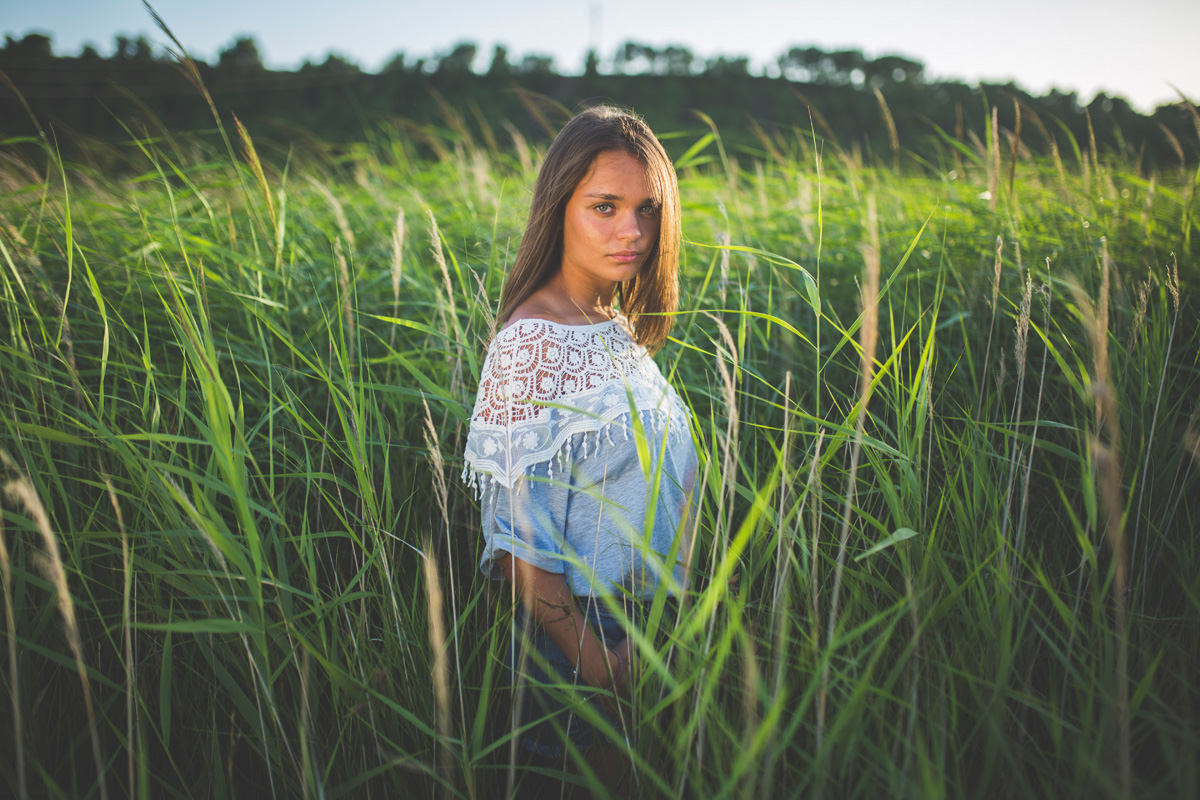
(618,167)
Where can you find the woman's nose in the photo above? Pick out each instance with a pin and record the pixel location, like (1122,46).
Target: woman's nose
(630,227)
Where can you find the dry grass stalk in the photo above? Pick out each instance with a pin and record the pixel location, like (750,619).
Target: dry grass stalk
(440,666)
(127,625)
(339,255)
(994,161)
(750,681)
(1139,315)
(1021,348)
(729,447)
(814,115)
(1176,146)
(397,268)
(191,72)
(452,117)
(723,282)
(958,135)
(785,482)
(868,337)
(520,145)
(1092,149)
(251,156)
(305,733)
(339,211)
(21,491)
(14,674)
(814,487)
(41,287)
(893,136)
(442,496)
(1016,147)
(12,87)
(1044,291)
(1173,281)
(1173,288)
(536,104)
(781,596)
(439,258)
(1051,142)
(1191,437)
(1105,444)
(1001,374)
(999,268)
(484,307)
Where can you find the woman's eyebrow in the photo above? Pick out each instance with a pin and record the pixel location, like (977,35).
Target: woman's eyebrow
(610,196)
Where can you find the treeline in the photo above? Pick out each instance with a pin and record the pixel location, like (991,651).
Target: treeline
(883,107)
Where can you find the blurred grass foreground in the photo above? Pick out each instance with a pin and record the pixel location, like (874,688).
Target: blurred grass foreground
(947,416)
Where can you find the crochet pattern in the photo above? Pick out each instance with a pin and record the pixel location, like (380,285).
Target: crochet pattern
(544,382)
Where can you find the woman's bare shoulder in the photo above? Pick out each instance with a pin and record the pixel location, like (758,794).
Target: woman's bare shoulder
(539,305)
(548,305)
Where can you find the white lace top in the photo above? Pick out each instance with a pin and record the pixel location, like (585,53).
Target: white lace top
(553,453)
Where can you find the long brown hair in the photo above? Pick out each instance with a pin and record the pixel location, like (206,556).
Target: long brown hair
(649,299)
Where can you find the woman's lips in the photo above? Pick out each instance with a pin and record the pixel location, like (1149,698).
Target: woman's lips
(627,256)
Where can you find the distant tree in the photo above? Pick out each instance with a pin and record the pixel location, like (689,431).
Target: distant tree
(89,53)
(1062,104)
(792,65)
(537,65)
(394,65)
(814,65)
(499,68)
(31,45)
(458,61)
(633,58)
(334,64)
(893,69)
(843,64)
(138,49)
(727,67)
(591,65)
(675,60)
(241,56)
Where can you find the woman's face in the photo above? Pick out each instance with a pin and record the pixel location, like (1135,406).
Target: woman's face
(610,224)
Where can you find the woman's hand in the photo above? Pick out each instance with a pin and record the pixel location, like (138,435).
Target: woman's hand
(626,651)
(548,598)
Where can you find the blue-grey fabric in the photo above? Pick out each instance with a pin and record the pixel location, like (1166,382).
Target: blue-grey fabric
(596,520)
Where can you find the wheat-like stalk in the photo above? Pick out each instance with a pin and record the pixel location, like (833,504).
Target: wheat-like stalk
(992,325)
(868,336)
(14,674)
(256,167)
(21,490)
(1105,444)
(893,134)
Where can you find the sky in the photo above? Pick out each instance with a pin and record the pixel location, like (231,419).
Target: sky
(1137,50)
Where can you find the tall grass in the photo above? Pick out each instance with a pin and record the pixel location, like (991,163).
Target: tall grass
(237,383)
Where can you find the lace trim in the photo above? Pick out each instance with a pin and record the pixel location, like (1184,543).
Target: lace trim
(542,383)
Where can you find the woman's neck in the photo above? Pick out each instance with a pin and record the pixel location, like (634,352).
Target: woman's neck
(588,299)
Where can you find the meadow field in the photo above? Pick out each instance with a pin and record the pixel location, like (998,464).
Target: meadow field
(947,412)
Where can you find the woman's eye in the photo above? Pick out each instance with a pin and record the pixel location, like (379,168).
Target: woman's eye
(604,208)
(649,210)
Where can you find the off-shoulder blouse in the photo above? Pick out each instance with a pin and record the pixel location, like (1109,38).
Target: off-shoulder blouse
(582,457)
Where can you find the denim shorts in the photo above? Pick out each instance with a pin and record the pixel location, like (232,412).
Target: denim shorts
(549,694)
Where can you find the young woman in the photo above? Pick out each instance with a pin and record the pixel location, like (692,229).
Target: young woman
(580,450)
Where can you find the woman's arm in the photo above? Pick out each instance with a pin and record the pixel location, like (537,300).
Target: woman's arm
(548,598)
